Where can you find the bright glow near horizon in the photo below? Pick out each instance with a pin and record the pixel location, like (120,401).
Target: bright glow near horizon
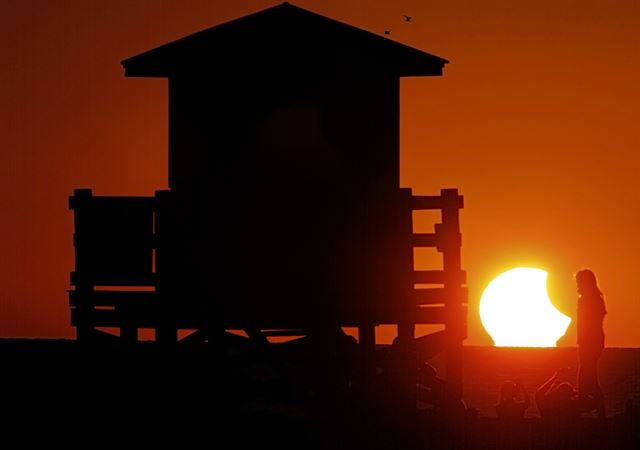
(516,310)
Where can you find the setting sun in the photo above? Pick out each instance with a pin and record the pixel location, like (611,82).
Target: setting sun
(516,311)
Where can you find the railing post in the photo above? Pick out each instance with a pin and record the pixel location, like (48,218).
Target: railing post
(82,311)
(446,305)
(451,261)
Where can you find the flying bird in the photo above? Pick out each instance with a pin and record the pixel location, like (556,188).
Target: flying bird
(387,31)
(407,18)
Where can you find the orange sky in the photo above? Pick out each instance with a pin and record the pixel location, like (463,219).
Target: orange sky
(535,121)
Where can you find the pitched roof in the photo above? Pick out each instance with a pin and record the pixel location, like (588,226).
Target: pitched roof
(283,35)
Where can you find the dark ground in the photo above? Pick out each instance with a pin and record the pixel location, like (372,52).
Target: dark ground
(55,390)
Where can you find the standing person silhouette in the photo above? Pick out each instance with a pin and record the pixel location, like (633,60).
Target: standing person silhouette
(591,312)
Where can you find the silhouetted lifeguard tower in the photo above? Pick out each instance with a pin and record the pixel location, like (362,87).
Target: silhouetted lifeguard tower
(285,215)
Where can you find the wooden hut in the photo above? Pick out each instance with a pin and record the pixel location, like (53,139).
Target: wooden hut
(285,214)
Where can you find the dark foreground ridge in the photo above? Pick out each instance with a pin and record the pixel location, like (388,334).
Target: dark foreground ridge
(141,392)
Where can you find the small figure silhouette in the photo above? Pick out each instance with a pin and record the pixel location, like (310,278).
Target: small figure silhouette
(431,388)
(511,407)
(559,399)
(407,18)
(591,312)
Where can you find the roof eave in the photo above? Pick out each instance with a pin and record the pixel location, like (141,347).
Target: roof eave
(146,70)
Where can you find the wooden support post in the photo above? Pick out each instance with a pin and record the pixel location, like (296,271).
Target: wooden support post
(406,331)
(405,360)
(83,314)
(166,328)
(406,326)
(367,335)
(405,371)
(129,333)
(166,335)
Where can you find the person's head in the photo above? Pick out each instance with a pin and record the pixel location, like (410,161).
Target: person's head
(586,282)
(565,392)
(508,391)
(427,373)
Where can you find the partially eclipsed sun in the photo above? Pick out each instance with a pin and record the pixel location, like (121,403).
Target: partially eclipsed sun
(516,311)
